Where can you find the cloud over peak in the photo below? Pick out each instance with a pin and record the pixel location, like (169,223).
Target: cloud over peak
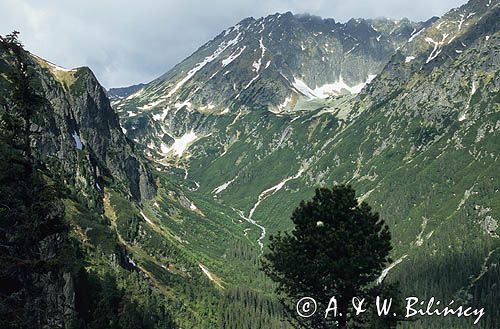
(127,42)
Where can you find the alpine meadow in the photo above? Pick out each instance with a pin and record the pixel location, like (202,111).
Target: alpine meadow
(290,158)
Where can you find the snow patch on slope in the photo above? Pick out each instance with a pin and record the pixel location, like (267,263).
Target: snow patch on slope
(256,65)
(223,46)
(303,88)
(437,44)
(78,141)
(52,65)
(414,35)
(180,144)
(262,196)
(409,59)
(272,190)
(339,86)
(390,267)
(224,186)
(251,81)
(209,275)
(330,89)
(232,57)
(283,105)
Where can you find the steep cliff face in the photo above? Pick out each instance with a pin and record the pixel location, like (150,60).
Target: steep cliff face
(78,250)
(79,134)
(62,146)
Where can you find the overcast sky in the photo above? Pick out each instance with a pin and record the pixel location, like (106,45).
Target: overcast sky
(127,42)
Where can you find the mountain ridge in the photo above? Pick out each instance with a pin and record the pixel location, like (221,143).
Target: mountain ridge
(121,92)
(227,73)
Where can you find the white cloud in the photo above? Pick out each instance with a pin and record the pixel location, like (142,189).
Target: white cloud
(127,42)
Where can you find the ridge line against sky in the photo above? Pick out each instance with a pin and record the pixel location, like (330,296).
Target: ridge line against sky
(128,42)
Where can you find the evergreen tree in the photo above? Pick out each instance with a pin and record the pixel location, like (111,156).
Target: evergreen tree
(337,248)
(30,210)
(36,250)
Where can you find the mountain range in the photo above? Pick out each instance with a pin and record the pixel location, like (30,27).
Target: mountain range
(175,186)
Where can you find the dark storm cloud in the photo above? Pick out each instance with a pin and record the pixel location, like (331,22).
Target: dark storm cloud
(127,42)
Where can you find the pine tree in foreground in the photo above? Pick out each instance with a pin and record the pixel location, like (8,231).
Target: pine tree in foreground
(338,247)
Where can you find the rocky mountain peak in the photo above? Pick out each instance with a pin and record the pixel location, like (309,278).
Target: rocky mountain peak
(262,62)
